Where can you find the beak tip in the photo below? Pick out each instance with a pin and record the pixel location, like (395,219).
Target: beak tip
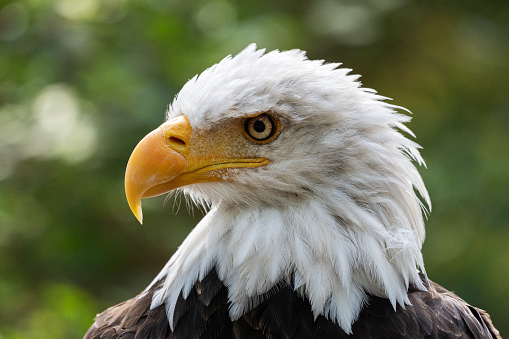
(136,210)
(138,214)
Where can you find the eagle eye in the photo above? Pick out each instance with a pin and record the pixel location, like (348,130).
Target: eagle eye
(262,128)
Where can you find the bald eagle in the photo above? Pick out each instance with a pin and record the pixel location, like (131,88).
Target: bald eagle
(315,221)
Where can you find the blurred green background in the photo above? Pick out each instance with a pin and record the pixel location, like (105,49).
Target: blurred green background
(82,81)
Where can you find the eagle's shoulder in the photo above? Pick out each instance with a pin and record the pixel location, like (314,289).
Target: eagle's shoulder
(435,313)
(132,318)
(451,315)
(203,314)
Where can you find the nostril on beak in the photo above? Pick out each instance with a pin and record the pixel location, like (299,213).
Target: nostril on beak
(177,144)
(176,141)
(176,134)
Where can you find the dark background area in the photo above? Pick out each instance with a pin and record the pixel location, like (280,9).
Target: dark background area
(81,82)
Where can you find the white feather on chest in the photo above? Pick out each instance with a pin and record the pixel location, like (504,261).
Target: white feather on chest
(334,266)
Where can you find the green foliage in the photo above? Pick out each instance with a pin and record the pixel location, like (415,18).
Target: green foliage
(81,82)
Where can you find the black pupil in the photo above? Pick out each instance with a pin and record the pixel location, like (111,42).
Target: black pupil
(259,126)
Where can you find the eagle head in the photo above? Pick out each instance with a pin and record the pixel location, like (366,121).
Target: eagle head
(308,178)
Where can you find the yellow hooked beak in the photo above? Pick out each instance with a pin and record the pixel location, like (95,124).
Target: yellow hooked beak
(172,156)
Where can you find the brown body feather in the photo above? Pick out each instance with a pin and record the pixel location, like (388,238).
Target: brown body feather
(436,313)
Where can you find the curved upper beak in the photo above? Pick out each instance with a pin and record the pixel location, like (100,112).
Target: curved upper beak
(165,159)
(154,162)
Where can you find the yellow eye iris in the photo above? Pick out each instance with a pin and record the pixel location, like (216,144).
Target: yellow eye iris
(262,128)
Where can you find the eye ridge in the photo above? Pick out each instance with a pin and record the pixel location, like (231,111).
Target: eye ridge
(262,128)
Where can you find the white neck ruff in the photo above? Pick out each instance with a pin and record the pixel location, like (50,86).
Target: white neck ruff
(333,262)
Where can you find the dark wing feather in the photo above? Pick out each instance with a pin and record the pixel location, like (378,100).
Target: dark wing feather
(486,320)
(132,319)
(436,313)
(284,315)
(454,313)
(204,313)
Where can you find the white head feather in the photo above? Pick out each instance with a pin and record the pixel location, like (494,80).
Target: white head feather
(334,213)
